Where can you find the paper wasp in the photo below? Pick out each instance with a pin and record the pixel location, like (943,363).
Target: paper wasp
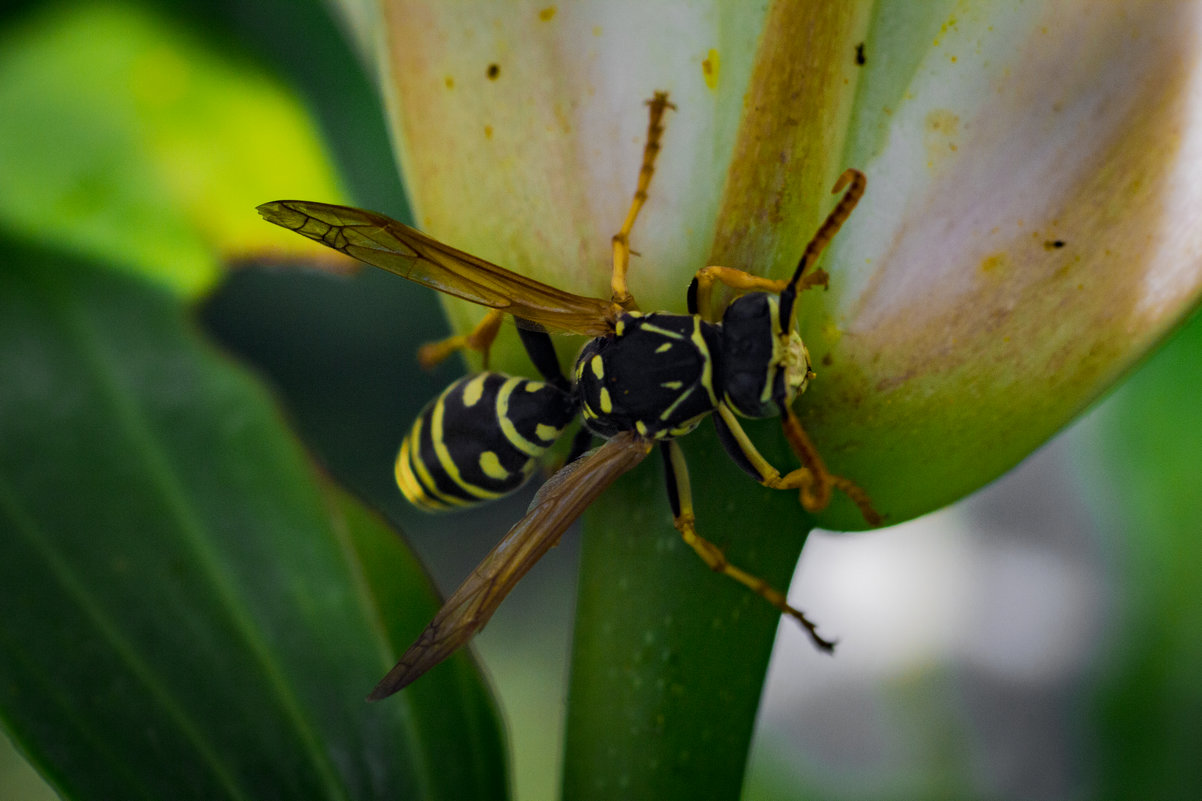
(642,380)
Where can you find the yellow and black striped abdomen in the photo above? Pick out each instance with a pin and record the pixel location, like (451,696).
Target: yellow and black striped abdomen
(480,439)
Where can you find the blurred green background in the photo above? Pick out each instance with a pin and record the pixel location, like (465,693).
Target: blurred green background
(1041,639)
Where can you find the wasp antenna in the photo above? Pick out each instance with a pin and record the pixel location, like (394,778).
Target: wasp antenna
(854,182)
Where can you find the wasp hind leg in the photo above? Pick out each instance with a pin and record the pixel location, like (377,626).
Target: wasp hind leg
(479,339)
(621,240)
(813,481)
(681,498)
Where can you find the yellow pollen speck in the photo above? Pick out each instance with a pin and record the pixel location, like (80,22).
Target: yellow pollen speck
(993,263)
(709,68)
(488,132)
(491,466)
(547,14)
(450,82)
(831,332)
(942,130)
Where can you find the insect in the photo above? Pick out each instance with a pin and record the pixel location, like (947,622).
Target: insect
(641,381)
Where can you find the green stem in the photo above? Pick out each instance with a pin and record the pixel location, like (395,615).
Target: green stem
(669,658)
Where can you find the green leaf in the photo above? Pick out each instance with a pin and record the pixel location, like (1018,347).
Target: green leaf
(190,612)
(1145,491)
(127,138)
(669,658)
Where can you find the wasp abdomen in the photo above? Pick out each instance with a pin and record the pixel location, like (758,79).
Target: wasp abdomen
(480,439)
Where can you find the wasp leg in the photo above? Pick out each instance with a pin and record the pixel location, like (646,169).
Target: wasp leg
(479,339)
(813,480)
(681,497)
(621,240)
(580,444)
(541,351)
(803,276)
(703,283)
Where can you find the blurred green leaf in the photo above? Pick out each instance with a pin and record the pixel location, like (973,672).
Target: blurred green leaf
(189,611)
(124,137)
(1146,491)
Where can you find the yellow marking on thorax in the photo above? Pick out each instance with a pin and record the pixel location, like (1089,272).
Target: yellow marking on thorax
(666,413)
(686,427)
(655,329)
(620,325)
(707,370)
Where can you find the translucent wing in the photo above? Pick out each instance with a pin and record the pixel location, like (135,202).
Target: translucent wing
(390,245)
(556,506)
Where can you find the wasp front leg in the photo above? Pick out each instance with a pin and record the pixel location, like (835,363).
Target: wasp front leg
(701,289)
(813,481)
(681,497)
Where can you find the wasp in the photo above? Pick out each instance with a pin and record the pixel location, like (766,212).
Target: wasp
(642,380)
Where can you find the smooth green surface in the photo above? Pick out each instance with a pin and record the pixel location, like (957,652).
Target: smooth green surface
(669,658)
(1145,489)
(190,612)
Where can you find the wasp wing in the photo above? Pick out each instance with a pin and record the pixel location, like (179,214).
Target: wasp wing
(385,243)
(558,503)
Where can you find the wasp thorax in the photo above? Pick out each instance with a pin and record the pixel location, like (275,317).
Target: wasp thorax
(655,376)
